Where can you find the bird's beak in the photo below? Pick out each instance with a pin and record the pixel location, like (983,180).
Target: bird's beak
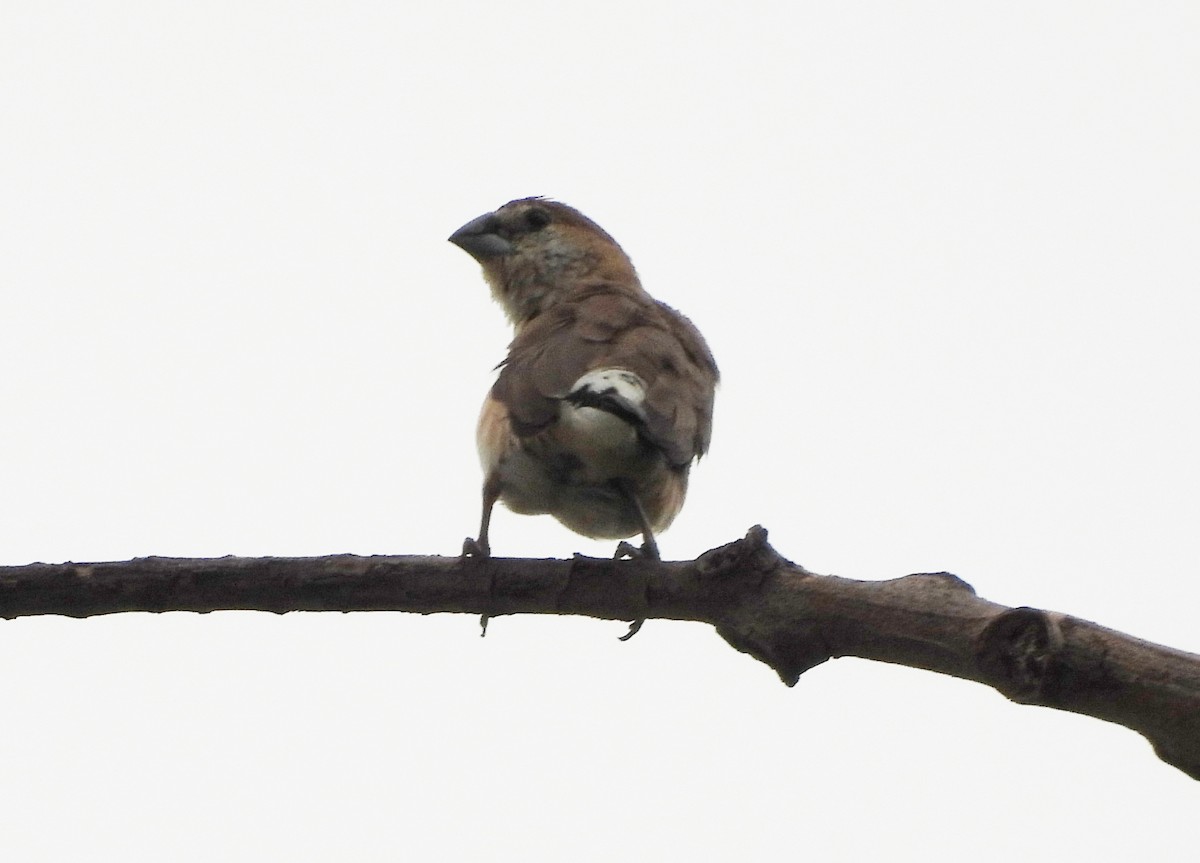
(478,238)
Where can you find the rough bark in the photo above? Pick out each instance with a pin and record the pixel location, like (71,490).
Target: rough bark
(760,603)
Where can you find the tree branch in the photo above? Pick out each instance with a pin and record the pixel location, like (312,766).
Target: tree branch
(762,604)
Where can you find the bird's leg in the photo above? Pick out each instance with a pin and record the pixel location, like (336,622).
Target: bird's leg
(481,548)
(649,550)
(649,547)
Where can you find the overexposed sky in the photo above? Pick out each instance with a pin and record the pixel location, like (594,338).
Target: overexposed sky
(947,255)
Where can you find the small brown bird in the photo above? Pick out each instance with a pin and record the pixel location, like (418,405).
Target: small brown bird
(606,396)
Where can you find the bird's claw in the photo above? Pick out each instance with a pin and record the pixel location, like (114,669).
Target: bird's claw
(474,548)
(626,551)
(634,626)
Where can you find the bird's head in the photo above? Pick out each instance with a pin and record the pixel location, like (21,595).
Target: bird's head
(535,250)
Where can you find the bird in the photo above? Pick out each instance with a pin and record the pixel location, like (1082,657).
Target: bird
(605,399)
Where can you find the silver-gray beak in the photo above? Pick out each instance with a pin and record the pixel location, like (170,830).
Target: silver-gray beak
(479,238)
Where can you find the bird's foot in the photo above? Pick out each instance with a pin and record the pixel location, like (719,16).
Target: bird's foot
(647,551)
(480,550)
(475,548)
(626,551)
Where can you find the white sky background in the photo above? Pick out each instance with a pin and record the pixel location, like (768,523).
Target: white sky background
(947,255)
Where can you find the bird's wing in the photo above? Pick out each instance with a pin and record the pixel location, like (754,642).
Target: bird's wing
(605,327)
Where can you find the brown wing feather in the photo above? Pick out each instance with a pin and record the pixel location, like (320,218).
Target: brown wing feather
(606,326)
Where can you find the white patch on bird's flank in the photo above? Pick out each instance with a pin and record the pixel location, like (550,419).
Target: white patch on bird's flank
(591,430)
(594,430)
(620,384)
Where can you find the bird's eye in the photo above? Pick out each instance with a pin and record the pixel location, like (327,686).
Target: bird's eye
(537,219)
